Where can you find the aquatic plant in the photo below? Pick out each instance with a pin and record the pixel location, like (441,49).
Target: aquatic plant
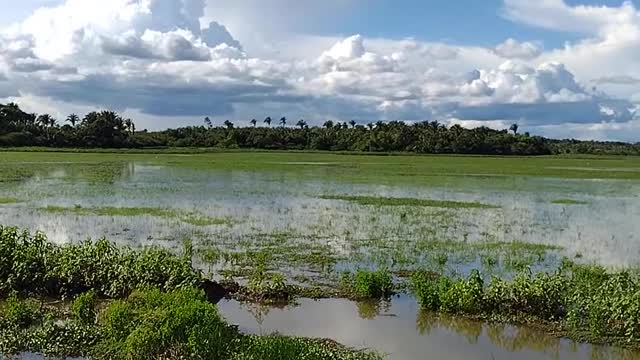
(29,264)
(578,297)
(368,284)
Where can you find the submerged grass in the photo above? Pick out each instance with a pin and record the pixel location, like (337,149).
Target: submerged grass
(569,202)
(192,218)
(8,200)
(389,201)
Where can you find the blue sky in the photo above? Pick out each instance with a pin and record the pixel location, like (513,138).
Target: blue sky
(561,68)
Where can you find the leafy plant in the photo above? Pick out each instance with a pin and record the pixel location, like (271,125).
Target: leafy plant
(369,284)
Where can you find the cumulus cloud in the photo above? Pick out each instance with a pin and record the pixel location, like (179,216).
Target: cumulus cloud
(514,49)
(160,58)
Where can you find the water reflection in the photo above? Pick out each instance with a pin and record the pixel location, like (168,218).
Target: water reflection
(402,331)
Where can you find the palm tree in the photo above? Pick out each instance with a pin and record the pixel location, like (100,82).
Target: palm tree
(301,123)
(253,122)
(73,119)
(283,121)
(370,126)
(514,128)
(328,124)
(130,126)
(208,122)
(352,123)
(228,124)
(268,121)
(44,120)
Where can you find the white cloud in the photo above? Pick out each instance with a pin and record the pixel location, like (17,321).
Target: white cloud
(165,58)
(514,49)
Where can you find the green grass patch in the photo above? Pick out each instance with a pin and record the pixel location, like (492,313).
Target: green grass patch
(390,201)
(569,202)
(192,218)
(6,200)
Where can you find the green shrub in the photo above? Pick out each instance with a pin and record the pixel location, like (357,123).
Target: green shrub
(428,289)
(369,284)
(31,265)
(464,296)
(19,313)
(178,323)
(83,308)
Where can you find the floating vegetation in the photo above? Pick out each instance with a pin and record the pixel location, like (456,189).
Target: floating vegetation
(389,201)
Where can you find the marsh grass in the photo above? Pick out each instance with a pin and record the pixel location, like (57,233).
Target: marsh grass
(192,218)
(390,201)
(8,200)
(569,202)
(580,299)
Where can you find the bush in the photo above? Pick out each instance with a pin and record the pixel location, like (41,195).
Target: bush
(19,313)
(83,308)
(31,265)
(585,298)
(178,323)
(369,284)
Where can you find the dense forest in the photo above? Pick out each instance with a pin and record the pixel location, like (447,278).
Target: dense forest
(107,129)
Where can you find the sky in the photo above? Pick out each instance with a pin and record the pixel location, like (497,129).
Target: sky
(558,68)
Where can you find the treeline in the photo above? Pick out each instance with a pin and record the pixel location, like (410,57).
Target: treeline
(107,129)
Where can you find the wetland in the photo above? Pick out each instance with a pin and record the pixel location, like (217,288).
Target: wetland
(367,250)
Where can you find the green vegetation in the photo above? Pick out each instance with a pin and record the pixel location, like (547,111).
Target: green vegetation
(586,302)
(192,218)
(569,202)
(169,318)
(368,284)
(9,201)
(387,201)
(148,324)
(108,129)
(31,265)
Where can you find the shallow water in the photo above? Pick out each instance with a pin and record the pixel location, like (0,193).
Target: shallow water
(266,203)
(403,332)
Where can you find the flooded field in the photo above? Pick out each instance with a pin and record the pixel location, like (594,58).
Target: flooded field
(314,216)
